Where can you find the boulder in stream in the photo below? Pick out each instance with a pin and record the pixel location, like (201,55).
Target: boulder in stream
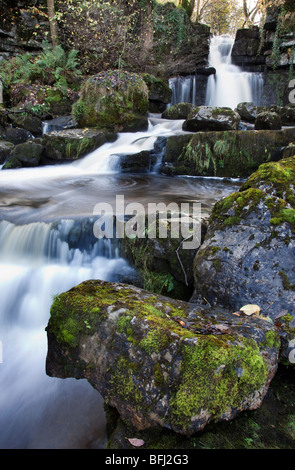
(158,361)
(178,111)
(206,118)
(71,144)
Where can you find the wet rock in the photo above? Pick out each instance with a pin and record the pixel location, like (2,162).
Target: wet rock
(160,362)
(5,150)
(178,111)
(225,154)
(205,118)
(18,135)
(159,93)
(11,163)
(248,253)
(58,124)
(138,162)
(28,153)
(71,144)
(268,121)
(30,123)
(248,111)
(165,262)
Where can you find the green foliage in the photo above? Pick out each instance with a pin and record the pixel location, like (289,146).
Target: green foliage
(52,66)
(170,28)
(58,62)
(39,82)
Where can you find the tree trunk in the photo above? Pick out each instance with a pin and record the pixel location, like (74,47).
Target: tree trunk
(52,22)
(148,28)
(246,13)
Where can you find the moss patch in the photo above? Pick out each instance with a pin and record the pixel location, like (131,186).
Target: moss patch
(114,100)
(276,177)
(210,371)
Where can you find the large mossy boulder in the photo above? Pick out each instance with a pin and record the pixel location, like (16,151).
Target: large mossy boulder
(158,361)
(28,153)
(249,250)
(224,154)
(206,118)
(114,100)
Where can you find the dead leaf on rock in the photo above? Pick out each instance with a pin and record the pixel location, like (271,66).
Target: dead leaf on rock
(250,309)
(135,442)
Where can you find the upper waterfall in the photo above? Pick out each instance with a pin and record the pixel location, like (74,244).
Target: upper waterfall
(230,85)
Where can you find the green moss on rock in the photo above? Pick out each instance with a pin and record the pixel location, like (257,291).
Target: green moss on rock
(277,178)
(210,371)
(114,100)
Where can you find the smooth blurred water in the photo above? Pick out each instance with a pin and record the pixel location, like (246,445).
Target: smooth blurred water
(230,85)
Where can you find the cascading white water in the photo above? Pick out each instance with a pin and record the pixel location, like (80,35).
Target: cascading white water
(230,85)
(183,89)
(37,263)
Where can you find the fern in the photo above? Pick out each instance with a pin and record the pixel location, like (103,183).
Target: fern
(57,62)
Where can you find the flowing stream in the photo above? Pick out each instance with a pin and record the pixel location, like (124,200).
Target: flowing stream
(46,247)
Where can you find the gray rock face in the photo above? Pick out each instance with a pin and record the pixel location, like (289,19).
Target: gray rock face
(249,251)
(161,362)
(246,47)
(205,118)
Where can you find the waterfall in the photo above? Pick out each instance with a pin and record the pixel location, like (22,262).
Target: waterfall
(38,261)
(230,85)
(183,89)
